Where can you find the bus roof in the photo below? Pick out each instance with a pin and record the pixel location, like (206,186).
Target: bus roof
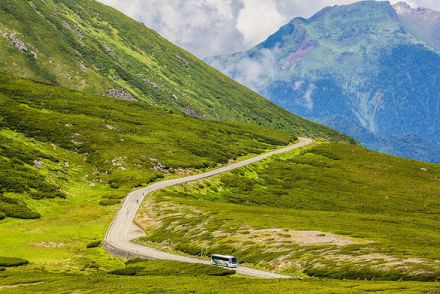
(224,256)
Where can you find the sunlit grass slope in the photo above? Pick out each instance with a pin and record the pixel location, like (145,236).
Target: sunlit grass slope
(334,210)
(67,159)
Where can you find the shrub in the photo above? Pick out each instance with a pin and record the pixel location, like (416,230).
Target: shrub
(366,273)
(114,184)
(114,196)
(135,260)
(12,261)
(189,249)
(2,269)
(107,202)
(94,244)
(13,208)
(47,195)
(128,271)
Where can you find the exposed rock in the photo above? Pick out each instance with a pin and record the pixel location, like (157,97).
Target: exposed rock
(120,93)
(69,125)
(191,112)
(49,244)
(153,85)
(159,167)
(83,68)
(73,29)
(108,49)
(119,162)
(182,59)
(20,45)
(424,169)
(38,164)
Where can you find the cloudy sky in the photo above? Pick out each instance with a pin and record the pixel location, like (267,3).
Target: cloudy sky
(210,27)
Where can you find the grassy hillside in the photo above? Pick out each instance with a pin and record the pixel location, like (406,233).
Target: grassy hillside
(98,50)
(334,210)
(68,158)
(127,144)
(63,164)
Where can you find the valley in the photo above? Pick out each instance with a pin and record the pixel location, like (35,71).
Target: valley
(105,125)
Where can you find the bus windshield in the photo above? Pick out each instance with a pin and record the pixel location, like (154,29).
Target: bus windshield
(234,260)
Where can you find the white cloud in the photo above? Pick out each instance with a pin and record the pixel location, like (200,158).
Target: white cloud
(258,19)
(209,27)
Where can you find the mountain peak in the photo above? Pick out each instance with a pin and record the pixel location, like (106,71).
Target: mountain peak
(424,23)
(358,9)
(403,8)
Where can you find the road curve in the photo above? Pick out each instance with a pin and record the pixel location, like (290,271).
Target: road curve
(122,230)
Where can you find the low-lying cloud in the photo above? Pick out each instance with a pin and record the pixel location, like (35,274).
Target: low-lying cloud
(211,27)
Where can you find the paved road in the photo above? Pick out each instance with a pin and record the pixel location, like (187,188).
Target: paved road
(123,230)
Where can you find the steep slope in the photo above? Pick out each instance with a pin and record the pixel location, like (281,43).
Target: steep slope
(359,68)
(87,46)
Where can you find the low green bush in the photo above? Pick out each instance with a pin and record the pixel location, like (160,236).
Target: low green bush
(107,202)
(135,260)
(141,267)
(94,244)
(12,261)
(189,249)
(128,271)
(367,273)
(13,208)
(114,196)
(47,195)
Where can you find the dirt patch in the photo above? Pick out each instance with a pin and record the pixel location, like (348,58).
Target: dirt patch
(146,219)
(48,244)
(305,238)
(318,238)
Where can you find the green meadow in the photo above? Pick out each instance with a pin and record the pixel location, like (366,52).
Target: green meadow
(67,159)
(331,210)
(202,281)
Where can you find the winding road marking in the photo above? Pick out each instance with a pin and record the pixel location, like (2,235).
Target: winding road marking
(122,230)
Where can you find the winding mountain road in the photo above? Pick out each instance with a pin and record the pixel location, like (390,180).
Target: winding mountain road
(122,230)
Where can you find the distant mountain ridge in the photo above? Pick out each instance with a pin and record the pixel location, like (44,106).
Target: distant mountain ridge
(87,46)
(369,69)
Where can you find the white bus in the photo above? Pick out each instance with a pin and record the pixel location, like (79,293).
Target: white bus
(224,260)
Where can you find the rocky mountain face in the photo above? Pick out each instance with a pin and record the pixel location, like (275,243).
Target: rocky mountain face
(423,23)
(368,69)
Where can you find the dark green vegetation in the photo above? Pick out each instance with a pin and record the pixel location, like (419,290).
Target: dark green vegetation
(94,244)
(17,176)
(41,282)
(332,210)
(168,268)
(98,50)
(12,261)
